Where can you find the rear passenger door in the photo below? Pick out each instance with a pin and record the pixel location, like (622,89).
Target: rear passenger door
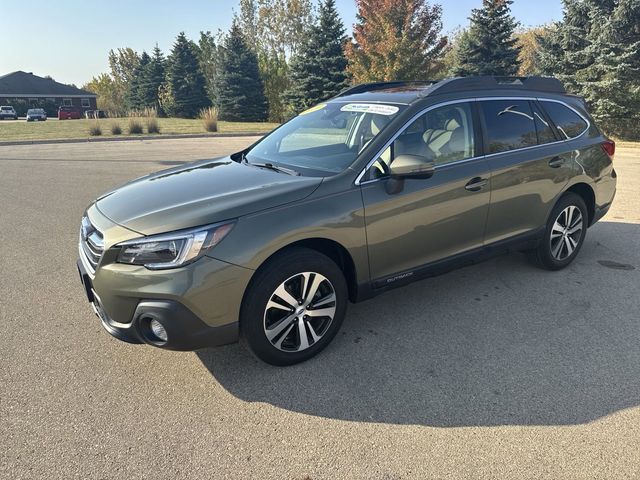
(529,163)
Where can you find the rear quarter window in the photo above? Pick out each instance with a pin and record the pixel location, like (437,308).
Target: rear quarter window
(568,122)
(545,131)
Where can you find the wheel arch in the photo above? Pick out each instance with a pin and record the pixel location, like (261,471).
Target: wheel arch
(330,248)
(586,192)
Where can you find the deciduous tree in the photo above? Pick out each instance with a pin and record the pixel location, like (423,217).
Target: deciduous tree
(528,40)
(122,65)
(207,59)
(395,40)
(109,98)
(274,30)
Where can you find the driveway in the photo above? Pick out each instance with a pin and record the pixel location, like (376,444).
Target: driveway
(497,370)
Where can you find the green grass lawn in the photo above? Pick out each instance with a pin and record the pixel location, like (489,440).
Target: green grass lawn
(56,129)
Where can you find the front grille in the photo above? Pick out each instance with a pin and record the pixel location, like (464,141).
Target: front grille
(91,244)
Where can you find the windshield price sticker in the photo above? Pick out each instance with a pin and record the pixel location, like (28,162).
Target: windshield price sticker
(370,108)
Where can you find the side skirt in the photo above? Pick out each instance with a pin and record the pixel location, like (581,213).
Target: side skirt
(521,242)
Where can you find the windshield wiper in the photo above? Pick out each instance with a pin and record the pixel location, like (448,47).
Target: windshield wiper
(276,168)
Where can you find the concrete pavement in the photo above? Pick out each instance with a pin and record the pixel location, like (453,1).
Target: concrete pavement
(496,370)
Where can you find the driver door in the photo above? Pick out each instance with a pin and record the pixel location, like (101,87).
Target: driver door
(429,219)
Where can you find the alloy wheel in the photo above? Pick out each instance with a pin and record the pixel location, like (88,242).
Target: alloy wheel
(299,312)
(566,233)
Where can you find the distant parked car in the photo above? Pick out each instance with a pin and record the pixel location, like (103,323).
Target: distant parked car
(36,115)
(68,113)
(8,112)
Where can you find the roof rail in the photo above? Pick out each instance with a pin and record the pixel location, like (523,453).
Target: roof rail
(458,84)
(371,87)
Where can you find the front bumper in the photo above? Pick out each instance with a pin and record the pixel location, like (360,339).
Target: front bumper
(185,330)
(197,304)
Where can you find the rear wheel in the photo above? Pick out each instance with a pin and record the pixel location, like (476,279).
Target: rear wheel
(293,307)
(564,235)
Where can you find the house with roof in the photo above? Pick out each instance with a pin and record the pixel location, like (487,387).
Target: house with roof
(24,90)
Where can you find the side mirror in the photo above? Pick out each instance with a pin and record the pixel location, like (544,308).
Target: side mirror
(408,166)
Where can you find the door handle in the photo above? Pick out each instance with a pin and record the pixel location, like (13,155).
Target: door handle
(476,184)
(556,162)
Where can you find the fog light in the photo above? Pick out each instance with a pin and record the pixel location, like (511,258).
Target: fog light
(159,331)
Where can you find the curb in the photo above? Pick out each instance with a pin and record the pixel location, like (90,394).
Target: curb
(130,139)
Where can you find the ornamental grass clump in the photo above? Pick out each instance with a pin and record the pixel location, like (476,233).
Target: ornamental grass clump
(209,117)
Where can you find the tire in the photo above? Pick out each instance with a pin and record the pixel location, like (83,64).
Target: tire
(559,247)
(273,327)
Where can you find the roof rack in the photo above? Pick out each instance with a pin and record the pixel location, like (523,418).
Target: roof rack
(371,87)
(458,84)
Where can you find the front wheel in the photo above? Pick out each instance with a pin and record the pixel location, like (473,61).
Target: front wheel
(564,235)
(293,307)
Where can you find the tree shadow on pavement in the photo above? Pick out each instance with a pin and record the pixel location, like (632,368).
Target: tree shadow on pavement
(500,343)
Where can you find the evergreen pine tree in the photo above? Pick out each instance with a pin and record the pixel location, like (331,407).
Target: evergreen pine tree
(154,75)
(595,52)
(186,82)
(239,87)
(318,70)
(489,47)
(135,92)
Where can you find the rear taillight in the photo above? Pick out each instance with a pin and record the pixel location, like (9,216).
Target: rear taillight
(609,147)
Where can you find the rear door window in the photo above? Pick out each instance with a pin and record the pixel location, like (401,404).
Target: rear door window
(568,122)
(510,124)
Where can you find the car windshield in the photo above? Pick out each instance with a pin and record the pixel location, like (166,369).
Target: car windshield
(326,138)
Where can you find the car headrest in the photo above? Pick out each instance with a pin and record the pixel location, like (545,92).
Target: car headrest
(378,122)
(452,124)
(457,142)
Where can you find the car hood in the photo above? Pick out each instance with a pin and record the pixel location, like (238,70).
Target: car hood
(199,194)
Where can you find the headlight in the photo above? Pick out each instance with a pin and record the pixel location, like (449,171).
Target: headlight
(172,250)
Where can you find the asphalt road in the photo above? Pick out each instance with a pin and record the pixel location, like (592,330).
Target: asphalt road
(496,370)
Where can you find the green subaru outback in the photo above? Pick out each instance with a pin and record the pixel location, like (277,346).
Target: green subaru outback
(382,185)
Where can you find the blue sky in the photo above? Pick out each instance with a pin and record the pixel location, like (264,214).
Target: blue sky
(69,39)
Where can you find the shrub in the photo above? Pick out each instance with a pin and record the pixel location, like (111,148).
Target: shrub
(152,125)
(94,129)
(115,129)
(135,126)
(209,117)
